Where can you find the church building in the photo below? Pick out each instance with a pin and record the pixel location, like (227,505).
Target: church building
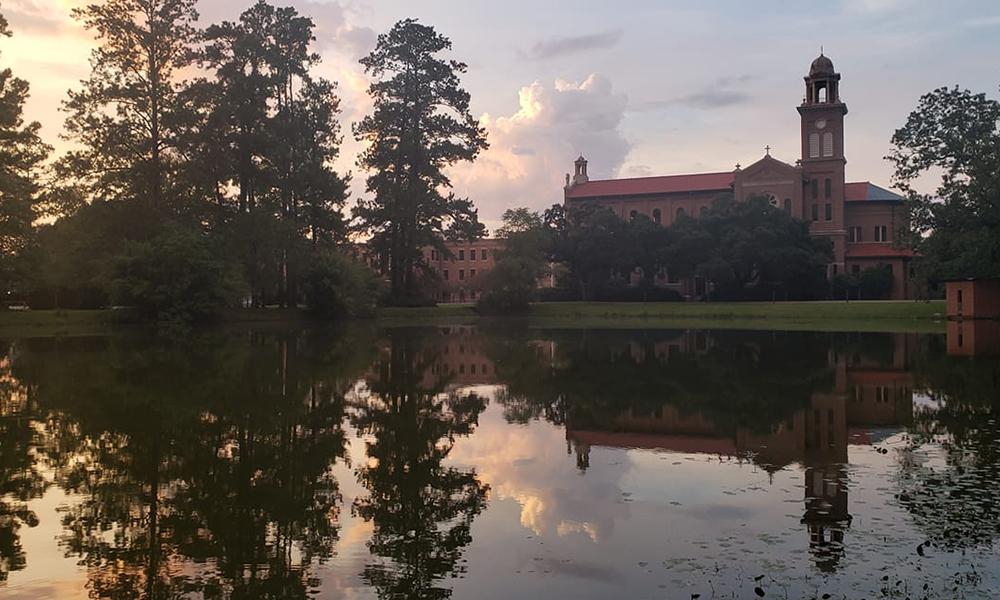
(859,218)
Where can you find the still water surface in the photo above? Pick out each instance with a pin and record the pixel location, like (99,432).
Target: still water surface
(498,462)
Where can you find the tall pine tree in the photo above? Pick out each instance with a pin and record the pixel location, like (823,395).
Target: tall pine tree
(126,116)
(420,126)
(22,153)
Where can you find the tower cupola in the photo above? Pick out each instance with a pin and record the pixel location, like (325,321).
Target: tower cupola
(580,174)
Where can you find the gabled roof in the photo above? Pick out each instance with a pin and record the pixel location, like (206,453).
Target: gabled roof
(866,191)
(643,186)
(862,191)
(877,251)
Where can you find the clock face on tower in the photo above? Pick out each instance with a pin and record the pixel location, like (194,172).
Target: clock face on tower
(821,124)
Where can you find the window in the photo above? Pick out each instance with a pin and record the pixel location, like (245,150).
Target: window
(434,254)
(815,212)
(461,255)
(446,274)
(821,94)
(834,270)
(855,269)
(788,205)
(828,211)
(657,216)
(881,233)
(813,145)
(828,144)
(472,272)
(815,188)
(632,215)
(472,255)
(680,213)
(855,234)
(461,274)
(827,188)
(704,211)
(483,254)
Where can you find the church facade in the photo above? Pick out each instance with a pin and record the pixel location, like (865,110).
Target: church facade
(860,218)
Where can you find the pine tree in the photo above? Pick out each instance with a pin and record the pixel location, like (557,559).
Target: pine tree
(420,126)
(22,153)
(127,115)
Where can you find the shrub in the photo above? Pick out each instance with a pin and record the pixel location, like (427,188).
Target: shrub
(336,286)
(175,276)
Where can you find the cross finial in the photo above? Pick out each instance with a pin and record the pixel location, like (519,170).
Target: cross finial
(821,50)
(767,149)
(737,166)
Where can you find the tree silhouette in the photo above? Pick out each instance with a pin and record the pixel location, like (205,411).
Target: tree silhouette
(422,509)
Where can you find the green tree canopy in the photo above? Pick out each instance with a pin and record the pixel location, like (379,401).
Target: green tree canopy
(957,230)
(421,125)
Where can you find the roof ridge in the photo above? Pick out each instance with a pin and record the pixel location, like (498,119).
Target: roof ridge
(661,176)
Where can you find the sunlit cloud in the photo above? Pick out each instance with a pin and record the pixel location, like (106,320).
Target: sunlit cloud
(532,149)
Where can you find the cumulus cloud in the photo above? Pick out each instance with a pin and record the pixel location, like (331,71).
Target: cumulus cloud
(564,46)
(532,149)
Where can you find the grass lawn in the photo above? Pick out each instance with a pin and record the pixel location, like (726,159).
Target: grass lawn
(832,316)
(903,316)
(822,316)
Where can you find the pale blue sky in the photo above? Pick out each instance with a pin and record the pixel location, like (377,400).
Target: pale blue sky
(645,87)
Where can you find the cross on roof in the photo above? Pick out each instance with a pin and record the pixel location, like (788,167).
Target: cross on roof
(768,150)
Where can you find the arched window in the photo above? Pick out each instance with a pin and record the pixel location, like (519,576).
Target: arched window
(680,212)
(657,215)
(813,145)
(828,144)
(632,215)
(788,205)
(821,94)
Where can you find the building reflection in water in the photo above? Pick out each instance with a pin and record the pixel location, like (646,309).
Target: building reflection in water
(871,397)
(974,337)
(867,395)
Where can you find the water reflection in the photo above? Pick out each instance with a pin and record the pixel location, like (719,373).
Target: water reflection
(422,510)
(227,465)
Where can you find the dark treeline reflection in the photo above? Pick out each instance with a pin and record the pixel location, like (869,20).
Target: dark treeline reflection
(205,467)
(216,449)
(422,510)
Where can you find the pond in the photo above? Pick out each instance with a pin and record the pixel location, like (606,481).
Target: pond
(499,461)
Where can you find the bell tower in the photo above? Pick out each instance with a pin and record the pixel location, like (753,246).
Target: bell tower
(822,113)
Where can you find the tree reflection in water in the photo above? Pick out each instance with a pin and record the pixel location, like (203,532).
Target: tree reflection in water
(955,503)
(205,468)
(20,477)
(422,510)
(199,468)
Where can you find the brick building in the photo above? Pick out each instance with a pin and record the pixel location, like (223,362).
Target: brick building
(461,275)
(861,219)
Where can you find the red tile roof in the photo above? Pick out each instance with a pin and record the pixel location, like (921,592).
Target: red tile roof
(866,190)
(641,186)
(704,182)
(877,251)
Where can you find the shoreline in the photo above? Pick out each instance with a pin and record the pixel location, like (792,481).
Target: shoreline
(862,316)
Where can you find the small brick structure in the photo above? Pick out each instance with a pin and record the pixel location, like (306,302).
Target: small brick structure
(973,298)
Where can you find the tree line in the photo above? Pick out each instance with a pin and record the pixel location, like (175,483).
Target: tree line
(200,171)
(740,250)
(199,175)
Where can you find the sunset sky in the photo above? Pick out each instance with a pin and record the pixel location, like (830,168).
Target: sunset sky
(640,87)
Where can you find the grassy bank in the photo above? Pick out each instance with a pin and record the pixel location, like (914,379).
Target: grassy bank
(84,322)
(820,316)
